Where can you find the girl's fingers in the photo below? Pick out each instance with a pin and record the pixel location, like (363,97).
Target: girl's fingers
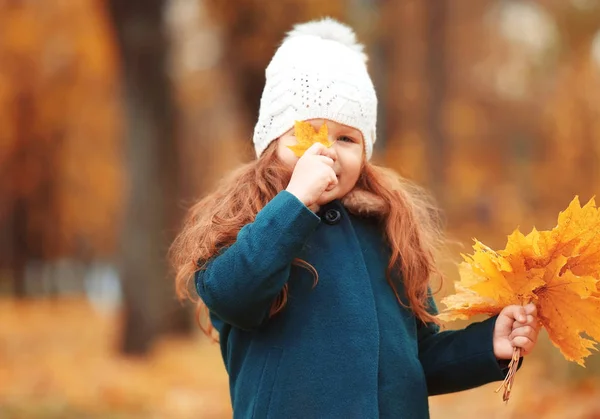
(525,328)
(526,332)
(327,160)
(524,343)
(531,321)
(315,149)
(515,312)
(320,150)
(531,309)
(333,183)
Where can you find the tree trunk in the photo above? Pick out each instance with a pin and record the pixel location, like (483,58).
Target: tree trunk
(151,159)
(22,236)
(436,15)
(19,247)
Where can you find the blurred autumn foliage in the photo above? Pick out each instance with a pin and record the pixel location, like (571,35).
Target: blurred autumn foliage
(115,116)
(60,144)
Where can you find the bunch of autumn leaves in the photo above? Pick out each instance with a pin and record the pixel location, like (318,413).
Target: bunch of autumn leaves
(557,270)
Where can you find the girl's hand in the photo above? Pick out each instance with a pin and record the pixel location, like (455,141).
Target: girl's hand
(313,174)
(516,327)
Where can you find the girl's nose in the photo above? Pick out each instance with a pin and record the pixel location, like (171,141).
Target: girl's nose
(332,141)
(334,155)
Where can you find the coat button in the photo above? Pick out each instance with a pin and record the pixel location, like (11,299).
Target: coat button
(332,216)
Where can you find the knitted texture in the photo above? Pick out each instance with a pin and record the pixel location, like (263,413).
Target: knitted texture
(319,71)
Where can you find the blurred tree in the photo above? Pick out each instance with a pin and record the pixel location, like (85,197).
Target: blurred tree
(152,163)
(29,157)
(405,94)
(59,148)
(436,46)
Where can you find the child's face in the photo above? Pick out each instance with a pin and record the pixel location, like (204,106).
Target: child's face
(348,145)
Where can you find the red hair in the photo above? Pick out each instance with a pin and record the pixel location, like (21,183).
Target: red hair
(409,218)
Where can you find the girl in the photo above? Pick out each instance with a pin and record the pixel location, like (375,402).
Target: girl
(315,270)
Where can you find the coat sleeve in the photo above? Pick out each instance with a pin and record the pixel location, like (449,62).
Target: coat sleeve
(240,284)
(457,360)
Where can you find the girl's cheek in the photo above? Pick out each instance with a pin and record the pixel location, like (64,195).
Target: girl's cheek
(292,160)
(287,157)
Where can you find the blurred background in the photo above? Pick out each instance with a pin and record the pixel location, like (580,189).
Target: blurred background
(115,116)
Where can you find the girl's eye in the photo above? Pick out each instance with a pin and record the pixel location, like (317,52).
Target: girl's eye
(345,139)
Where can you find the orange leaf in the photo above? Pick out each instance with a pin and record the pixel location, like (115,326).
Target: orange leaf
(306,136)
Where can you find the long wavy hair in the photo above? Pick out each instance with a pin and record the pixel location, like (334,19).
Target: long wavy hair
(408,217)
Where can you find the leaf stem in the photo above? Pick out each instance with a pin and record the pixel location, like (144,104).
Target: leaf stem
(509,380)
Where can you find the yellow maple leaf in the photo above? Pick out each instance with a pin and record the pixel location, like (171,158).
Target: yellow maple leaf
(558,270)
(576,230)
(467,303)
(306,136)
(567,308)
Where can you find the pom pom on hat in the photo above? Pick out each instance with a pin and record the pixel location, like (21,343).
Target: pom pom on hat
(329,29)
(318,71)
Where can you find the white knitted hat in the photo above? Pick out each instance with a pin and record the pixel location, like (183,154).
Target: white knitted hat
(319,71)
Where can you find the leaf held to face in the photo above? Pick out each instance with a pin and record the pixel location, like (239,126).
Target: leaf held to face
(306,136)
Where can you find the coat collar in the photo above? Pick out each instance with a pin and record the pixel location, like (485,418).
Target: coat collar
(364,203)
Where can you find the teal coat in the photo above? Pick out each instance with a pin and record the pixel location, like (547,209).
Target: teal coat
(343,349)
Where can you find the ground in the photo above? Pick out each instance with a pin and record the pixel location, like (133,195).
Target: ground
(58,359)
